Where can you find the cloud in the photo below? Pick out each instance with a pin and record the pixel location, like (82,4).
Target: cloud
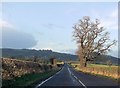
(114,14)
(72,10)
(52,26)
(50,45)
(109,20)
(112,21)
(12,38)
(46,48)
(6,24)
(114,51)
(70,51)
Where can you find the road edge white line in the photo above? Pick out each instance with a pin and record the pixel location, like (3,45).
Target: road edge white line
(48,79)
(44,81)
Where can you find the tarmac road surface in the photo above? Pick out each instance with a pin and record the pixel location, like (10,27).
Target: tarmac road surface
(67,77)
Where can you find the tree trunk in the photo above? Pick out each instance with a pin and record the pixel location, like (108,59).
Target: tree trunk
(83,62)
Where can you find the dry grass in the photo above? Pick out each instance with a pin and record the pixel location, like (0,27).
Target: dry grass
(110,71)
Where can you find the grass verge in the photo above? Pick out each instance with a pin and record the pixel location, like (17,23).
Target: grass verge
(27,80)
(99,70)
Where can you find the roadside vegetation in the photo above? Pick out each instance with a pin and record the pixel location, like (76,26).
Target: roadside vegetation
(21,73)
(98,69)
(27,80)
(16,68)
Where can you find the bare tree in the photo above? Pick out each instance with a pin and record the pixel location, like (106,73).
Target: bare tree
(92,40)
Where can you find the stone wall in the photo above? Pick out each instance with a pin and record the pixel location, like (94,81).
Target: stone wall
(13,67)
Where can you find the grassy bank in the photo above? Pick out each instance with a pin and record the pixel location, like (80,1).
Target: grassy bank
(103,70)
(26,80)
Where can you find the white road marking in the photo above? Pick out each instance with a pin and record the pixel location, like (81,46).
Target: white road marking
(58,73)
(82,84)
(69,70)
(44,81)
(47,79)
(76,78)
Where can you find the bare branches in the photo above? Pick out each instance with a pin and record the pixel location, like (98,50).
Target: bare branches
(91,38)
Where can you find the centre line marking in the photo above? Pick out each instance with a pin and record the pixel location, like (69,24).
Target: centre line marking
(77,78)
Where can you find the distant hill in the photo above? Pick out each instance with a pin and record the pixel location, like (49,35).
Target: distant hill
(47,54)
(30,53)
(103,59)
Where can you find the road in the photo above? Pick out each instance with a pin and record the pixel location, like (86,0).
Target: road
(68,77)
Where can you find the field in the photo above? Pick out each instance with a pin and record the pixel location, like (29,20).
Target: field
(105,70)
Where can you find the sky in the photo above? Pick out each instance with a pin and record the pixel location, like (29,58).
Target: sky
(39,25)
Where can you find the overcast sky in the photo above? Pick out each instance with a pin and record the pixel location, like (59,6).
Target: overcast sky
(49,25)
